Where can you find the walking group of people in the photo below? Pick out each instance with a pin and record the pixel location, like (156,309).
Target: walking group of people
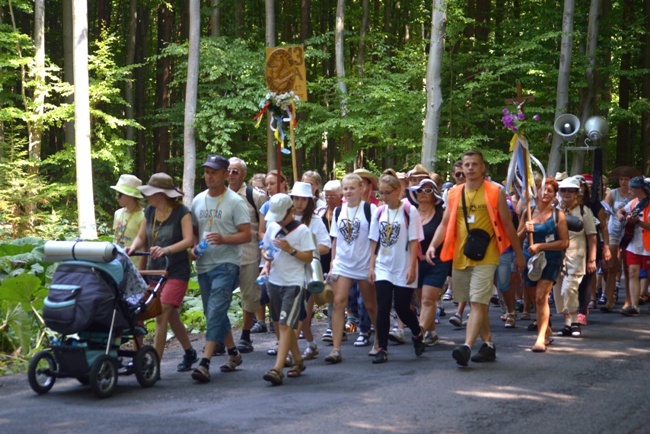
(396,251)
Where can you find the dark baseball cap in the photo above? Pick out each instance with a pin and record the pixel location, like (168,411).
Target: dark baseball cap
(216,162)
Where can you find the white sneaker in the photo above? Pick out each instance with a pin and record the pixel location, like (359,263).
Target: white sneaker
(447,296)
(397,335)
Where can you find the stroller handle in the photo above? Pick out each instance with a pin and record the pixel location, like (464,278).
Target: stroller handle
(144,272)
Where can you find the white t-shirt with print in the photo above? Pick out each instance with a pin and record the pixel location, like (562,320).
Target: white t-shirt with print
(576,254)
(351,231)
(287,270)
(393,257)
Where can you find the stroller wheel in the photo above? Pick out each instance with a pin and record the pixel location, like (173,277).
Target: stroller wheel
(103,376)
(41,372)
(147,366)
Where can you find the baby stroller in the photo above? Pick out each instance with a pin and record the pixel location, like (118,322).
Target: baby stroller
(94,300)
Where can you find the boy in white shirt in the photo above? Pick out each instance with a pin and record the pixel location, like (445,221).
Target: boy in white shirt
(286,277)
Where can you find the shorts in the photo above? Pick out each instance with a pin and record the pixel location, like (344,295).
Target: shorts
(249,289)
(433,275)
(634,259)
(174,292)
(285,304)
(474,284)
(550,272)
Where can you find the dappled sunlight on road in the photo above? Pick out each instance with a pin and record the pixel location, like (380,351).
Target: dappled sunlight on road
(376,427)
(510,392)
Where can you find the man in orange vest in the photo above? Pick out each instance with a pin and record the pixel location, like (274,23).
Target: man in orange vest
(476,206)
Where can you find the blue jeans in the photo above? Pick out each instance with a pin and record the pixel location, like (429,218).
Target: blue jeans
(504,270)
(217,287)
(358,309)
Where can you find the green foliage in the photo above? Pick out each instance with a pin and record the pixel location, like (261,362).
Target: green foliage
(23,274)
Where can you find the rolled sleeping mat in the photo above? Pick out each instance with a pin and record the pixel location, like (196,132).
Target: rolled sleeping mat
(94,251)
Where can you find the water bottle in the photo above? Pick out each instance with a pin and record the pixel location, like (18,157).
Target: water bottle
(261,280)
(201,248)
(269,250)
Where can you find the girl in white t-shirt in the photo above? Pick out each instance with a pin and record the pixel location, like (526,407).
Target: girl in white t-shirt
(350,258)
(395,232)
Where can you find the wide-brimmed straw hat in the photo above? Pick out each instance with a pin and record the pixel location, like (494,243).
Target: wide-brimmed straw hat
(624,172)
(366,174)
(419,171)
(161,183)
(128,185)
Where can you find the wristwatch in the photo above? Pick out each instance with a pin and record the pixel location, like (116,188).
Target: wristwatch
(293,252)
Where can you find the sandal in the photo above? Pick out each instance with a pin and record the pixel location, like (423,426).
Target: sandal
(362,341)
(592,304)
(538,348)
(334,357)
(296,369)
(274,377)
(525,316)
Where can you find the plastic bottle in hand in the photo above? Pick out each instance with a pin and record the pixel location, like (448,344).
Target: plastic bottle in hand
(201,248)
(269,250)
(261,280)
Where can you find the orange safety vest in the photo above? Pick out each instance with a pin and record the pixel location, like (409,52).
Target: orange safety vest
(492,201)
(645,233)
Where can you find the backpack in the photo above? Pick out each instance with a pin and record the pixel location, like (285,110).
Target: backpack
(249,198)
(407,220)
(366,212)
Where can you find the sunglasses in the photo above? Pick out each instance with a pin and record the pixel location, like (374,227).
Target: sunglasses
(233,171)
(568,190)
(425,191)
(459,175)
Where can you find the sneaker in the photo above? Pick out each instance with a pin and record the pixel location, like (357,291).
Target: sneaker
(271,327)
(431,339)
(397,335)
(219,350)
(447,296)
(363,340)
(461,355)
(201,374)
(259,327)
(418,344)
(602,299)
(310,352)
(273,351)
(510,321)
(231,363)
(327,336)
(519,306)
(630,311)
(456,320)
(487,353)
(582,319)
(301,335)
(189,358)
(334,357)
(244,346)
(380,357)
(575,330)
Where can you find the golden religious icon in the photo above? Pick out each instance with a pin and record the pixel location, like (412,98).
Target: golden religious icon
(285,70)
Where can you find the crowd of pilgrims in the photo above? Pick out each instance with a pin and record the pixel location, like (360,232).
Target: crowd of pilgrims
(392,246)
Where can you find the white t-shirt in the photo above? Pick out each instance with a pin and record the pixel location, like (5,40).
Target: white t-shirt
(576,255)
(287,270)
(636,245)
(393,257)
(351,231)
(317,227)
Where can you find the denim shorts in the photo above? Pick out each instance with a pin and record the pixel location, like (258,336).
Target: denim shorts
(433,275)
(550,272)
(217,286)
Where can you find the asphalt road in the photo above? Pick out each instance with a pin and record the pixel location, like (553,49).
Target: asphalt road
(597,383)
